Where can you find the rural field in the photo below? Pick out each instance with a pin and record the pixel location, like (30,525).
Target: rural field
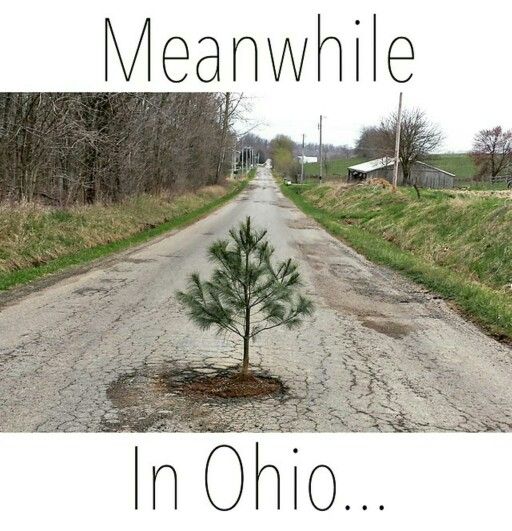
(461,165)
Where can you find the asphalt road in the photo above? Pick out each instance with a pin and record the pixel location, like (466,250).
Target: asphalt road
(96,351)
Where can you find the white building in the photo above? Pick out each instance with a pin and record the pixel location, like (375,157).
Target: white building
(307,159)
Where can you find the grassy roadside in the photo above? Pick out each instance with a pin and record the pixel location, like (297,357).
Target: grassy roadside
(120,226)
(465,259)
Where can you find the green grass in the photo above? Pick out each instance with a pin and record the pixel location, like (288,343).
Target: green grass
(460,164)
(480,185)
(54,240)
(457,244)
(335,167)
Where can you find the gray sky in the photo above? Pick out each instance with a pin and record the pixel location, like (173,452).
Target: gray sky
(347,110)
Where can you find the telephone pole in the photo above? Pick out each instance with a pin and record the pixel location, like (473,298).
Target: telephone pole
(321,150)
(397,143)
(302,161)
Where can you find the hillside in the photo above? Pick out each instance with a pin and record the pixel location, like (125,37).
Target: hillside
(460,164)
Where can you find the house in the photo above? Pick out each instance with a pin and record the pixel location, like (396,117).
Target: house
(307,159)
(422,174)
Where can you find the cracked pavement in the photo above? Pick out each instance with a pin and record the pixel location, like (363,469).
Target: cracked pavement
(88,352)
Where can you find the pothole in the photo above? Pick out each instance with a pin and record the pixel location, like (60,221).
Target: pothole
(302,223)
(387,327)
(156,396)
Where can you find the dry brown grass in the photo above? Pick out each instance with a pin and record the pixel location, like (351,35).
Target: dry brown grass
(467,231)
(33,234)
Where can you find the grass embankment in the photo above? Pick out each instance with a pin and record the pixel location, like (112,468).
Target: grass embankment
(458,244)
(36,240)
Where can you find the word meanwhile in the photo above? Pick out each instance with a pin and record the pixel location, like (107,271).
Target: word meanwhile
(166,477)
(176,56)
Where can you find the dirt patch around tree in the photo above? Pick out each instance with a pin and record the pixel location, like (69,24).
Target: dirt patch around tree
(230,386)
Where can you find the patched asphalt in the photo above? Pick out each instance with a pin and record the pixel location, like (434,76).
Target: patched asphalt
(88,351)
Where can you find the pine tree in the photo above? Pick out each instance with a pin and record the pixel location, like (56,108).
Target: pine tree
(247,293)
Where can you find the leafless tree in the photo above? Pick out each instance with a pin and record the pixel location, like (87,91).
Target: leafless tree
(231,107)
(492,151)
(418,139)
(72,147)
(372,143)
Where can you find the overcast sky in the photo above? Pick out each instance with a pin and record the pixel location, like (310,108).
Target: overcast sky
(346,111)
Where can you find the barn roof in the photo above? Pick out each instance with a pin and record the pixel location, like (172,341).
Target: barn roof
(372,165)
(384,162)
(435,168)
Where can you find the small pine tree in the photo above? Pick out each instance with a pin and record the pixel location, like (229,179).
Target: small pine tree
(246,294)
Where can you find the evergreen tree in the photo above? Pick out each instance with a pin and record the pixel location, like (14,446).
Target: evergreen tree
(247,293)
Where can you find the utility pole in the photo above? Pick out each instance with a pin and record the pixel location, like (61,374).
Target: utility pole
(397,143)
(321,151)
(302,161)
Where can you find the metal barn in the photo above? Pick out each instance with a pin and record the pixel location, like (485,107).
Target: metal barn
(424,175)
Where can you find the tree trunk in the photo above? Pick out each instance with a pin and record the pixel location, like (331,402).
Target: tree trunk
(245,363)
(247,328)
(225,127)
(417,190)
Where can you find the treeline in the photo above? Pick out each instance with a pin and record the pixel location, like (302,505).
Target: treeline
(284,160)
(285,154)
(260,145)
(68,148)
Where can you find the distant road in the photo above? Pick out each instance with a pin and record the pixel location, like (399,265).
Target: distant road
(380,354)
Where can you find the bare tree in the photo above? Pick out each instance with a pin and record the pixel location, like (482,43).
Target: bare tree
(492,151)
(70,147)
(418,139)
(231,107)
(372,143)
